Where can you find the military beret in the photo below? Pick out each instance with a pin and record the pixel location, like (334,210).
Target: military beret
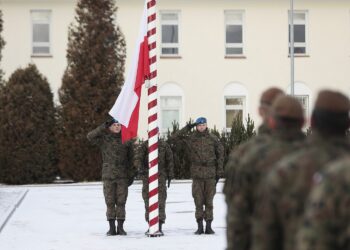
(287,107)
(269,95)
(201,120)
(332,101)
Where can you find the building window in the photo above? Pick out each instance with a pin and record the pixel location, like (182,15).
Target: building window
(234,32)
(41,32)
(234,106)
(170,33)
(170,111)
(304,101)
(300,32)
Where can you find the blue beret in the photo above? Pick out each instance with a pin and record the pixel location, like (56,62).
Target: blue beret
(201,120)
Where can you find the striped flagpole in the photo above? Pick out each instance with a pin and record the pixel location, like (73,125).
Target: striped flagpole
(152,122)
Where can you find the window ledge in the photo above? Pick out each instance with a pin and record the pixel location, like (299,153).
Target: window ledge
(41,56)
(170,57)
(235,57)
(300,55)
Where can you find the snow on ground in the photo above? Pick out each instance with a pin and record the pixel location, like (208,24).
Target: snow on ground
(68,217)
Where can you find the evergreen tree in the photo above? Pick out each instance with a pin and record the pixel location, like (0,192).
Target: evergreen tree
(27,122)
(2,44)
(90,85)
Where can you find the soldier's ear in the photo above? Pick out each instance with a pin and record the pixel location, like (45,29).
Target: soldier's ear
(271,122)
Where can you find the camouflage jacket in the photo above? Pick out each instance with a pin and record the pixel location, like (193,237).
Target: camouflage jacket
(237,154)
(280,203)
(165,160)
(206,154)
(326,223)
(117,157)
(252,168)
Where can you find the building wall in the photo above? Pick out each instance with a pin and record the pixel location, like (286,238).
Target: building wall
(202,73)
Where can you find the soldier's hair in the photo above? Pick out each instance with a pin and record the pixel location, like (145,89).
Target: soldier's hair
(330,122)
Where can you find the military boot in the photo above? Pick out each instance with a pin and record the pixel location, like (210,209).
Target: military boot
(120,228)
(111,230)
(200,227)
(208,229)
(161,222)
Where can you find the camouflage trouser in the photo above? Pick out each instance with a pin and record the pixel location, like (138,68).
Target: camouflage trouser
(203,191)
(115,193)
(162,195)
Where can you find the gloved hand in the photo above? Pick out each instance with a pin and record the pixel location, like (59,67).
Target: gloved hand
(169,180)
(109,122)
(130,181)
(191,125)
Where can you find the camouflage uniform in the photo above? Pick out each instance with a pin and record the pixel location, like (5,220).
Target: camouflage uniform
(264,132)
(255,164)
(326,219)
(116,169)
(206,156)
(280,203)
(165,172)
(253,168)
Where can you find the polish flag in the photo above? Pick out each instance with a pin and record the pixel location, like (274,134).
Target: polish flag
(126,108)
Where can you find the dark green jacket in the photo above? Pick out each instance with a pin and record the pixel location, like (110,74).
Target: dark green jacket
(117,157)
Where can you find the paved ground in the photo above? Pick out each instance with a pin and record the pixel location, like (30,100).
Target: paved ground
(68,217)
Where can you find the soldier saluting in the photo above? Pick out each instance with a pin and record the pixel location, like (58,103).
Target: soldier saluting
(206,155)
(117,171)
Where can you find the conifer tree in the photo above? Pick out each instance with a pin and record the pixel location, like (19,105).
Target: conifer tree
(2,44)
(27,122)
(90,85)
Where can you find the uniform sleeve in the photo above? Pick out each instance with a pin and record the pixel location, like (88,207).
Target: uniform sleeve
(132,170)
(267,228)
(140,159)
(325,225)
(240,211)
(169,161)
(95,136)
(219,151)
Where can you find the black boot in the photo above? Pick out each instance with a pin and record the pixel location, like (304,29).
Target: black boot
(111,228)
(120,228)
(208,229)
(200,227)
(161,222)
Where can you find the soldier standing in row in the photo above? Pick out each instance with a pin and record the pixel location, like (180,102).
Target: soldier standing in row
(165,173)
(280,204)
(206,156)
(117,171)
(266,100)
(326,219)
(285,122)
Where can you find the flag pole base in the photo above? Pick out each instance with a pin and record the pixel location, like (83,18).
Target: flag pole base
(156,234)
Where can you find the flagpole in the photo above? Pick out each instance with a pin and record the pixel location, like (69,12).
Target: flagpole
(153,230)
(292,47)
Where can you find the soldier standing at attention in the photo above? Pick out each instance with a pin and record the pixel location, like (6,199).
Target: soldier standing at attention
(117,171)
(280,204)
(206,156)
(326,219)
(165,173)
(266,100)
(285,122)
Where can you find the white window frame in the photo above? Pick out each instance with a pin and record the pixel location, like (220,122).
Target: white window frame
(48,44)
(170,22)
(235,22)
(306,24)
(178,108)
(235,107)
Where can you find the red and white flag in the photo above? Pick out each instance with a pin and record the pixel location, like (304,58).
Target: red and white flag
(126,107)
